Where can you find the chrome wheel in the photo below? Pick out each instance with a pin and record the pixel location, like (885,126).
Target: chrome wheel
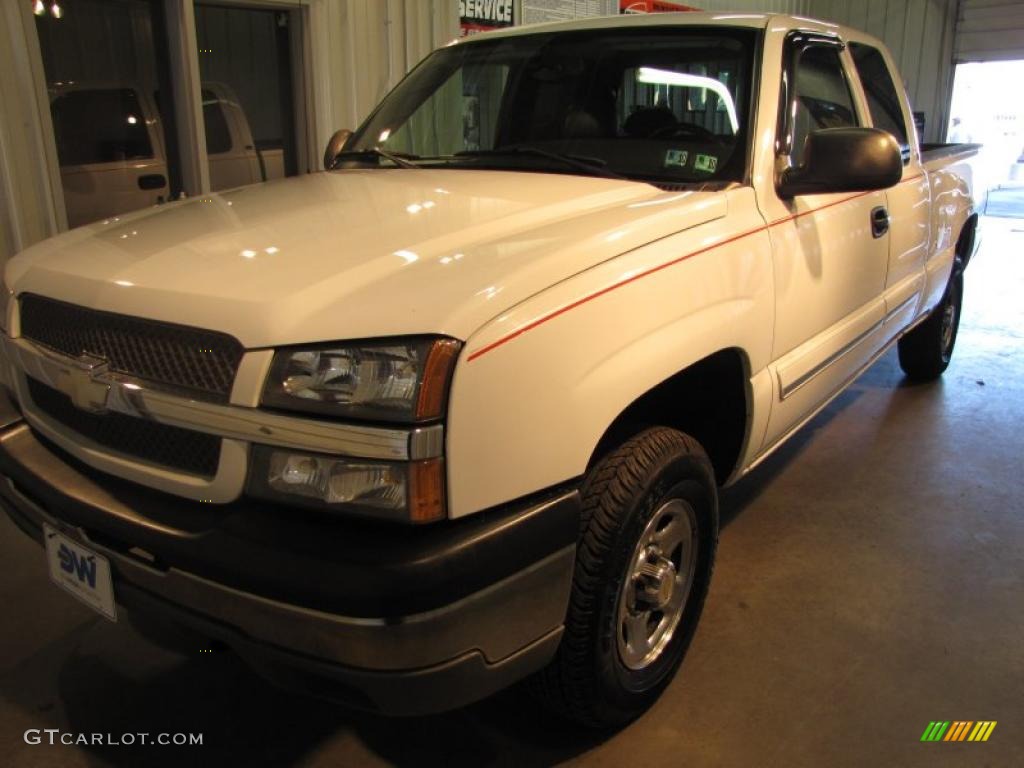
(654,595)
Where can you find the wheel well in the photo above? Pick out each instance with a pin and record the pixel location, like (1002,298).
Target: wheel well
(707,400)
(965,243)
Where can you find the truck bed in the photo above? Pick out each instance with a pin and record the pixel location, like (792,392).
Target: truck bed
(932,154)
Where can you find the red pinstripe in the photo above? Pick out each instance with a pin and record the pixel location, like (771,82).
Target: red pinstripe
(615,286)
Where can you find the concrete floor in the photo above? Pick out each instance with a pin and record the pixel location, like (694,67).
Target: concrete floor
(870,579)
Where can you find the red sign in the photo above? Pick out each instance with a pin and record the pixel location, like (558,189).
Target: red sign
(652,6)
(483,15)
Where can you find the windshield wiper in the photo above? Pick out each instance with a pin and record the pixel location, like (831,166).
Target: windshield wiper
(590,165)
(401,159)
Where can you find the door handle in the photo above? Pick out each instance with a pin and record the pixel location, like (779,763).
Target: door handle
(879,221)
(152,181)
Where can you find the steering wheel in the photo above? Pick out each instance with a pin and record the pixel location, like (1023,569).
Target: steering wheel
(686,129)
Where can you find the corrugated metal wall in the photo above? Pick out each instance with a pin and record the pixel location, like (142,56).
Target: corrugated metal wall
(371,45)
(990,30)
(920,35)
(793,7)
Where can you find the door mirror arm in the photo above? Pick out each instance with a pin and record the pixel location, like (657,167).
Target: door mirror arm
(335,147)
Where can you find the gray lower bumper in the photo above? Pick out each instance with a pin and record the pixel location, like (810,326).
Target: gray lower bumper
(422,662)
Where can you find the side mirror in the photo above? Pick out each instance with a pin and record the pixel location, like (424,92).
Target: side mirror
(335,147)
(844,160)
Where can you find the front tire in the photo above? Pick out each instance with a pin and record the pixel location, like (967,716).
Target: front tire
(649,529)
(925,352)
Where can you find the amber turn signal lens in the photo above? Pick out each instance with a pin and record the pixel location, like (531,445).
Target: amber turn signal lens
(436,375)
(426,491)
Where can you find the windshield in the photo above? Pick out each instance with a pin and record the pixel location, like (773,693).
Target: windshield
(669,105)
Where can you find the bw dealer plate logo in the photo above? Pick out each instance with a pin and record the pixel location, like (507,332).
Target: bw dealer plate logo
(83,383)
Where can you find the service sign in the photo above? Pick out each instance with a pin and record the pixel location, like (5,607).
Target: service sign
(483,15)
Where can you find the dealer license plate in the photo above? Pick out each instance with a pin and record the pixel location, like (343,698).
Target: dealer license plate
(80,571)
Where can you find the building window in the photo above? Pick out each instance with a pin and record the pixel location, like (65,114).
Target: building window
(245,63)
(103,62)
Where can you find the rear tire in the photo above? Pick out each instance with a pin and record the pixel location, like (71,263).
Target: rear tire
(649,529)
(925,352)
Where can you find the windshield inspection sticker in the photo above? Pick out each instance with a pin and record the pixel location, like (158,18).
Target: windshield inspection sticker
(676,158)
(706,163)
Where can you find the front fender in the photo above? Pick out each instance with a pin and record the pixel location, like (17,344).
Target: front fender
(538,386)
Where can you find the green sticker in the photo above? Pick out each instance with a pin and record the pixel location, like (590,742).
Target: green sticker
(676,158)
(705,163)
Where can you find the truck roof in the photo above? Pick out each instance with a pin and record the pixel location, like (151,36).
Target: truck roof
(681,18)
(684,18)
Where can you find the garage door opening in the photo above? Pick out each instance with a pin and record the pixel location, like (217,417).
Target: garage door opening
(986,111)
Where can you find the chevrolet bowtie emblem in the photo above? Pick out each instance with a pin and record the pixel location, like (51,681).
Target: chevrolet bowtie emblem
(84,385)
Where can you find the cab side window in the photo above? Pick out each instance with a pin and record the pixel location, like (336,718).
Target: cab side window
(100,126)
(883,100)
(218,136)
(823,98)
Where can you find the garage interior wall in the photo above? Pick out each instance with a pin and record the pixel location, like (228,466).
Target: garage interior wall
(792,7)
(990,30)
(920,34)
(27,162)
(357,49)
(373,44)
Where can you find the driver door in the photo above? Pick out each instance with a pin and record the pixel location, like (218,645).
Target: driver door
(829,261)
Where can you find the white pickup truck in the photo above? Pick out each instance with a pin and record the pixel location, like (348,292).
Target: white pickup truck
(454,412)
(112,153)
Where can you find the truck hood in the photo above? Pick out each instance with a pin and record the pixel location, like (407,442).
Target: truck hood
(356,253)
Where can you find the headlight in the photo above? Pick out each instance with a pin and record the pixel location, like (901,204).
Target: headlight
(402,380)
(407,491)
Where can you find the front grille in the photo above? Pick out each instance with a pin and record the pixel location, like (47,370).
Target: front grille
(201,362)
(195,453)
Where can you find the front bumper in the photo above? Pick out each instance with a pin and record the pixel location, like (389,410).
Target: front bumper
(394,619)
